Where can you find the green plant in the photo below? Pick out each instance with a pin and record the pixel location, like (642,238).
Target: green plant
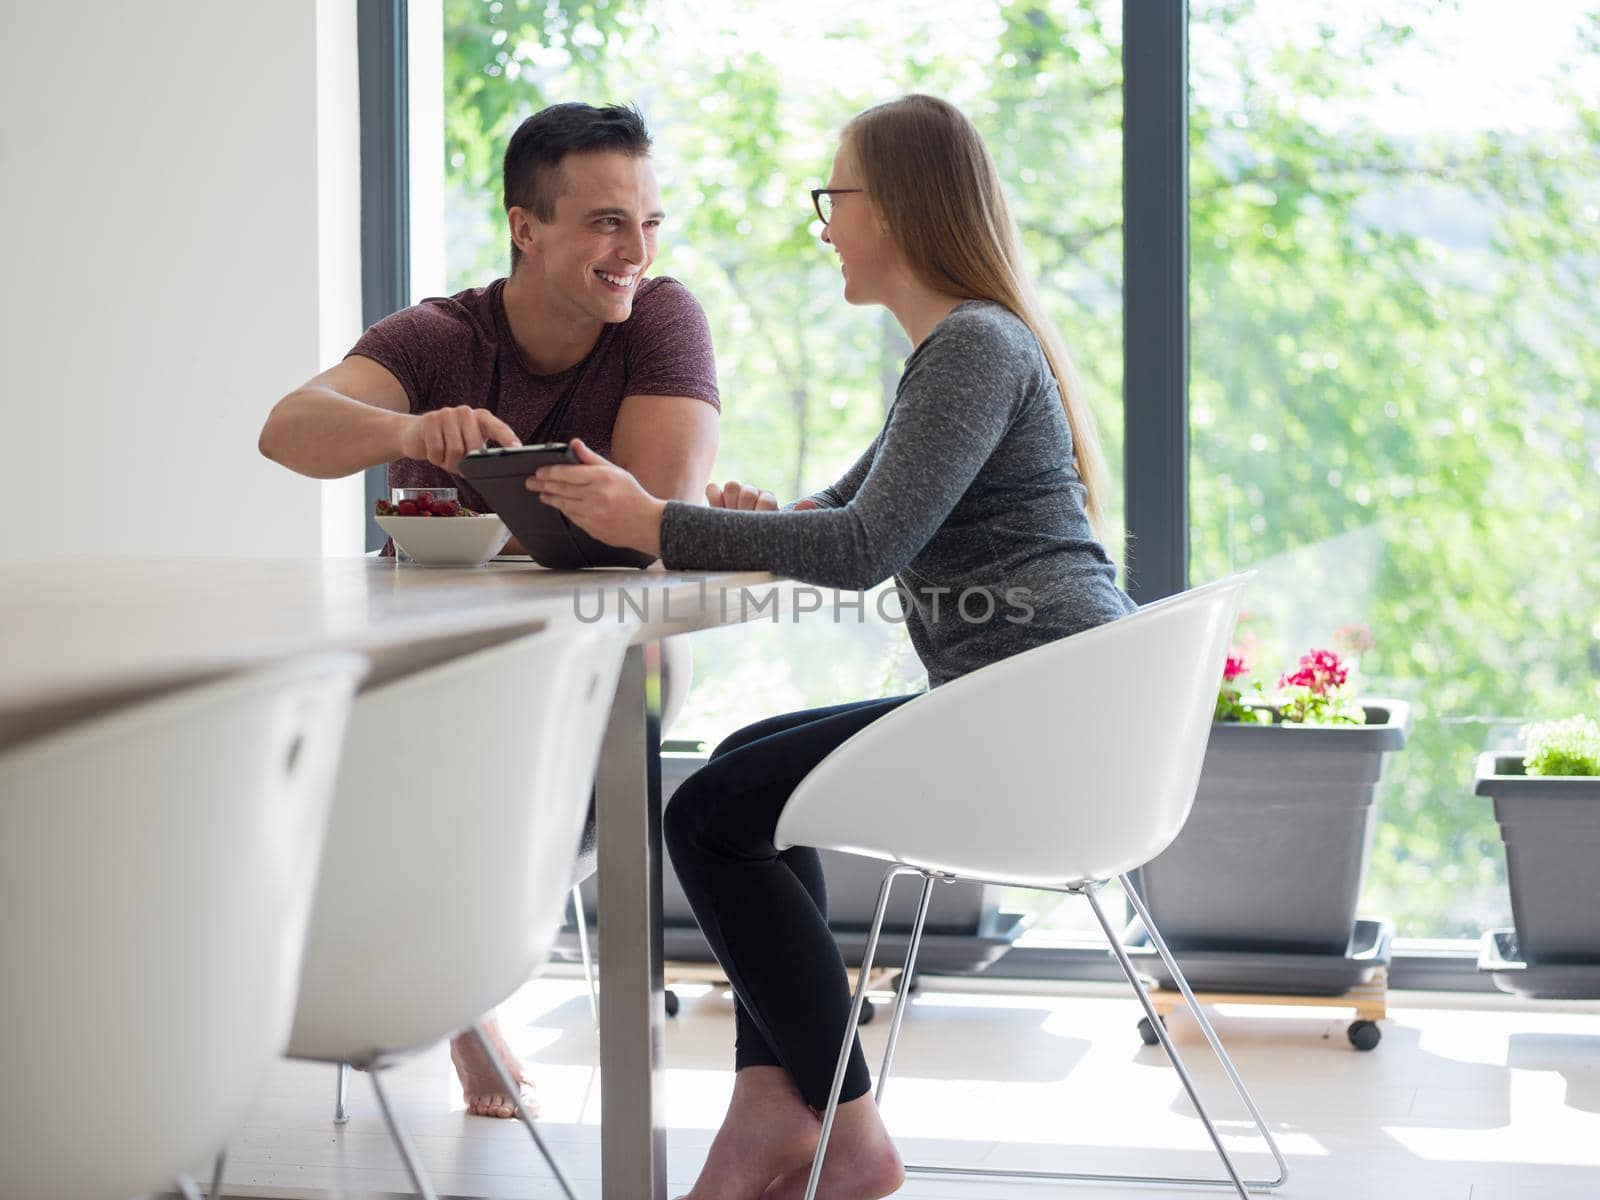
(1317,692)
(1231,704)
(1569,747)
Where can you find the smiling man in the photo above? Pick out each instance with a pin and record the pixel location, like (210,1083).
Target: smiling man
(575,343)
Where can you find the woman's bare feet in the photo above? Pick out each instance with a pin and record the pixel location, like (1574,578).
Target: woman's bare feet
(480,1084)
(769,1130)
(861,1163)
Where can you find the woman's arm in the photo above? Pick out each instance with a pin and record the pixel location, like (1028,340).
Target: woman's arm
(960,391)
(955,403)
(840,492)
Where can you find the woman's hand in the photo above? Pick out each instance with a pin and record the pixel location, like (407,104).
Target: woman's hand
(603,500)
(742,496)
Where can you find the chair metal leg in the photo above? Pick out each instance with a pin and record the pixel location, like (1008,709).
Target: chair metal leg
(341,1097)
(515,1093)
(588,959)
(1234,1182)
(419,1178)
(843,1064)
(1204,1022)
(904,991)
(216,1175)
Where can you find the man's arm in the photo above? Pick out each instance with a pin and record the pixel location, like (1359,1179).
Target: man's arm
(341,421)
(668,443)
(357,415)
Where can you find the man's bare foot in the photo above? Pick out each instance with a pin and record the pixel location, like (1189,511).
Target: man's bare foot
(768,1130)
(480,1084)
(861,1163)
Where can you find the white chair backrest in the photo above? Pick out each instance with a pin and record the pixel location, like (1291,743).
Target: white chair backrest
(156,870)
(1073,761)
(460,802)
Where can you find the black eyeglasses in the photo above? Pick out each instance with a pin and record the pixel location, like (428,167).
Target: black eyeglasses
(822,201)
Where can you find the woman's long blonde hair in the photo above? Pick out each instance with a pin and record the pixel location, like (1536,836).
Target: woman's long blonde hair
(928,172)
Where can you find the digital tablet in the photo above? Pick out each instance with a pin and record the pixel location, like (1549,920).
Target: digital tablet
(499,472)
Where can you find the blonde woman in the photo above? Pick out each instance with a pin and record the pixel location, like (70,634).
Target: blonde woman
(981,496)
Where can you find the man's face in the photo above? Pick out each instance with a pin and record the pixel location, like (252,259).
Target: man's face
(603,238)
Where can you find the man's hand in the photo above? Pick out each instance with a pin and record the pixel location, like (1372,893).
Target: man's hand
(445,435)
(603,500)
(742,496)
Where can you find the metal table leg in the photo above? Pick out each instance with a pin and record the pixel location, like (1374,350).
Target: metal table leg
(633,1142)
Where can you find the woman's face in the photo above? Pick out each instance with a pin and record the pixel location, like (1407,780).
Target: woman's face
(867,256)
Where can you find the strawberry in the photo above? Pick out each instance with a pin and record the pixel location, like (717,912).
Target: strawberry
(408,508)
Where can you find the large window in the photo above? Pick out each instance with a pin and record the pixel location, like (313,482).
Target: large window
(1395,247)
(1394,243)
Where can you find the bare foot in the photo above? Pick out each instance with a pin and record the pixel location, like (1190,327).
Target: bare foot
(480,1084)
(768,1130)
(861,1163)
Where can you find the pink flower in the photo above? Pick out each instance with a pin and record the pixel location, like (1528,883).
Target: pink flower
(1235,666)
(1320,670)
(1353,639)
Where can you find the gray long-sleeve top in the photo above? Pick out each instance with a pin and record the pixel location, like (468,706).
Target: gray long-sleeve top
(968,497)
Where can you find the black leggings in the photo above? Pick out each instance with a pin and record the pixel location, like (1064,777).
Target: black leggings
(765,912)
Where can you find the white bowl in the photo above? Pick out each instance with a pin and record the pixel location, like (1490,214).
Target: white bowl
(448,541)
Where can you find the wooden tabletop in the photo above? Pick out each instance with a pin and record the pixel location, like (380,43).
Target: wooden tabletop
(79,635)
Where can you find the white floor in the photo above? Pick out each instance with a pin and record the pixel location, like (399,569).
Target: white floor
(1465,1099)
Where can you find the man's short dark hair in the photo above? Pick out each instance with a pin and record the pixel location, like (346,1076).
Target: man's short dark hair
(534,155)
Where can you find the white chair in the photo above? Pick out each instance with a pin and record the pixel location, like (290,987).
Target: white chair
(1057,769)
(677,673)
(156,871)
(460,782)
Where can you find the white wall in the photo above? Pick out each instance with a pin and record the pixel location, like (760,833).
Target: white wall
(179,246)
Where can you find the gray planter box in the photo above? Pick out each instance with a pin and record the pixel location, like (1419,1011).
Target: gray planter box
(1370,947)
(1551,829)
(1500,958)
(1274,852)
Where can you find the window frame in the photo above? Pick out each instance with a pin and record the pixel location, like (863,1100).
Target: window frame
(382,47)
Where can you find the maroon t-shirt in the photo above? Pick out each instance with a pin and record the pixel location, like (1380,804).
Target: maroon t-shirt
(459,350)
